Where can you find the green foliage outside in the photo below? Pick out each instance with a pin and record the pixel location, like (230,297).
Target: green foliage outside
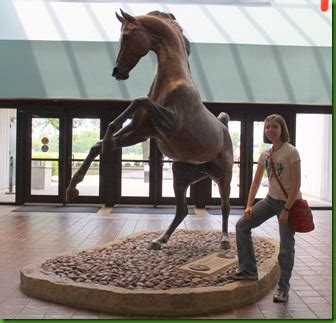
(235,137)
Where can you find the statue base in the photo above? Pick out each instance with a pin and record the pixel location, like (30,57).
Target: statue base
(189,276)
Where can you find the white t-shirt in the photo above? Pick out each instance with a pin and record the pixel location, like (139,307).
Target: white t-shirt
(282,159)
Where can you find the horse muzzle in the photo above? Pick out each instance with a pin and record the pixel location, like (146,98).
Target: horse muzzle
(120,73)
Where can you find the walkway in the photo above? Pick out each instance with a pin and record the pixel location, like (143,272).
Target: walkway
(27,237)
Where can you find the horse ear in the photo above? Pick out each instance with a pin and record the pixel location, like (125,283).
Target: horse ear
(171,16)
(121,19)
(127,16)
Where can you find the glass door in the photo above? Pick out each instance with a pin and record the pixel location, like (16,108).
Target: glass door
(58,145)
(84,133)
(45,162)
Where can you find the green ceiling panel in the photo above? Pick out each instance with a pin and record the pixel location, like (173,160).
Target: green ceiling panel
(222,72)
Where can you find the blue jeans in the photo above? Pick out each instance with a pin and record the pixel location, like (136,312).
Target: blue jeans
(261,212)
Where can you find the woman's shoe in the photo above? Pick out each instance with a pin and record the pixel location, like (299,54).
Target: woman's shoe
(244,275)
(280,296)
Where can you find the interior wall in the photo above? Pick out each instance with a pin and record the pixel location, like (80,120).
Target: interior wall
(314,140)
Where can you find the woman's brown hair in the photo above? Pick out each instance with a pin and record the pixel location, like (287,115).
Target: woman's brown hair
(282,123)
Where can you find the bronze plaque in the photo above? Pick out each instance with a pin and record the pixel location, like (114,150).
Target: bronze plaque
(214,262)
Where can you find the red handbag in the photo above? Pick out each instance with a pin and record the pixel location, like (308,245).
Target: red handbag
(300,215)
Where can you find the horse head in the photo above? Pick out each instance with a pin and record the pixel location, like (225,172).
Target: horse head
(134,44)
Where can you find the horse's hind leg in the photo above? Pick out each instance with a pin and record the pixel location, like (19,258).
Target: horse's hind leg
(72,191)
(184,175)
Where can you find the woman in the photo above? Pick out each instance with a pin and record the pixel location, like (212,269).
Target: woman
(286,161)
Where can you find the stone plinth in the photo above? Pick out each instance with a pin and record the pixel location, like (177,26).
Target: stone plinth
(58,280)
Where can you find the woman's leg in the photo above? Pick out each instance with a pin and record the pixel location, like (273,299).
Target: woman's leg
(286,256)
(261,212)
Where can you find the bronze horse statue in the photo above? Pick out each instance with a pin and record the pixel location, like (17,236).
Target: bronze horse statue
(198,143)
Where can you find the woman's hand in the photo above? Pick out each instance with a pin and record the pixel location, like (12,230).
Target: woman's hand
(248,213)
(283,217)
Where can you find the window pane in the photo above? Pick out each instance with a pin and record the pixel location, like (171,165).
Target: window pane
(135,179)
(258,140)
(313,140)
(258,147)
(44,177)
(85,133)
(234,193)
(139,151)
(45,138)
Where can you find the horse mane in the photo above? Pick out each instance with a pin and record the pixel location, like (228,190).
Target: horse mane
(172,20)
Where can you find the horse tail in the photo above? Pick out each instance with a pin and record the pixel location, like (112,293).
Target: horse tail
(224,118)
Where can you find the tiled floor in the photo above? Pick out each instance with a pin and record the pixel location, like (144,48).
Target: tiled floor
(27,237)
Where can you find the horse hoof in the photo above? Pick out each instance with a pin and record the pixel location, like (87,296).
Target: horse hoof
(71,194)
(225,245)
(154,245)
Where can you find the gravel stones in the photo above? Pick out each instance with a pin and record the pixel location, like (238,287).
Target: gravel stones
(129,264)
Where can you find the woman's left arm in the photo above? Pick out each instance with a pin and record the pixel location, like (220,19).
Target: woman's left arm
(295,170)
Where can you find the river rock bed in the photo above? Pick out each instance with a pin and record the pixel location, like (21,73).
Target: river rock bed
(129,264)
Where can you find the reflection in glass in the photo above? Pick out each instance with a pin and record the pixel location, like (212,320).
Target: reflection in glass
(135,179)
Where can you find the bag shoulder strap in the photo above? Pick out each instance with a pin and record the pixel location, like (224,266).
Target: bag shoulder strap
(275,174)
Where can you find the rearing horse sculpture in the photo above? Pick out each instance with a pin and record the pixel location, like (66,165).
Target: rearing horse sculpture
(172,113)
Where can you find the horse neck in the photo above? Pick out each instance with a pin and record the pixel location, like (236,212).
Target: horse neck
(173,68)
(173,65)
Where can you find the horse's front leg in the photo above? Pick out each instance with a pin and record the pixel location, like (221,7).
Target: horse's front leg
(163,120)
(108,142)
